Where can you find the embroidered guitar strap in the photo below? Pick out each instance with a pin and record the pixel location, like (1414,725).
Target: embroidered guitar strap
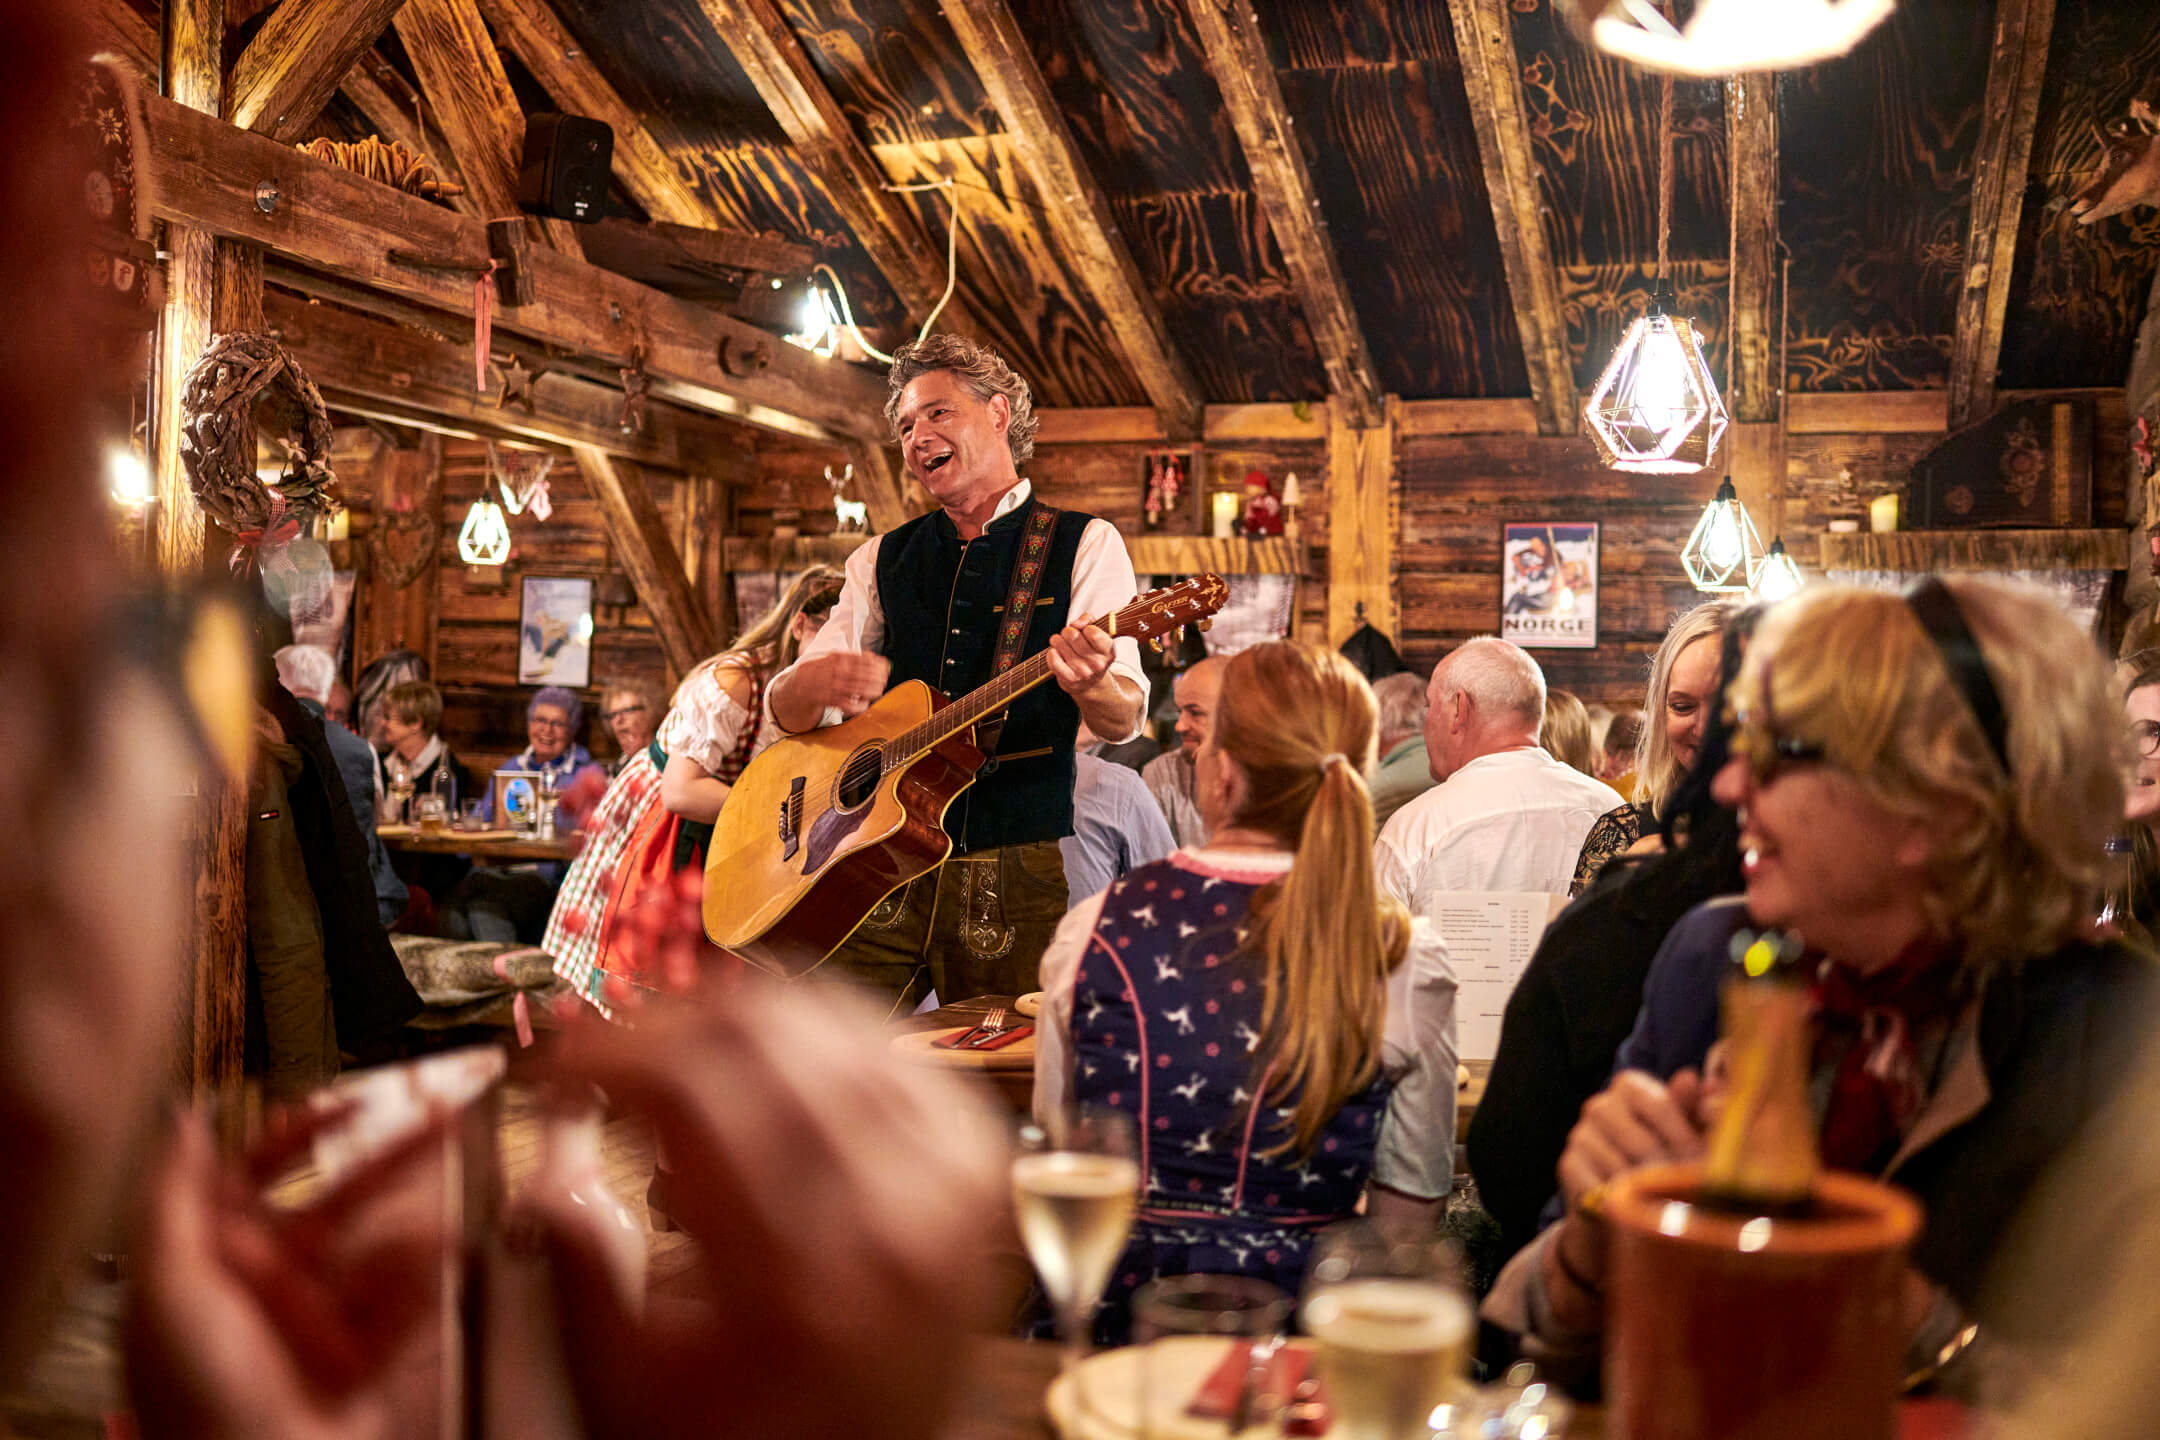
(1019,614)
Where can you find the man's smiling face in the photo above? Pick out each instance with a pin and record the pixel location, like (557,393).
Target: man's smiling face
(953,442)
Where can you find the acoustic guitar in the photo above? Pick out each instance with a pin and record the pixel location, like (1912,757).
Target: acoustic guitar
(824,825)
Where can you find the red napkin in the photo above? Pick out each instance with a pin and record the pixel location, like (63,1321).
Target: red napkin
(1933,1418)
(959,1039)
(1218,1395)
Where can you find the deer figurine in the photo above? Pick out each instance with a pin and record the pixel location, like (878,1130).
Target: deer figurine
(2129,174)
(852,516)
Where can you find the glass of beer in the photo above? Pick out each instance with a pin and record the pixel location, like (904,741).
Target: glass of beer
(1392,1330)
(1075,1182)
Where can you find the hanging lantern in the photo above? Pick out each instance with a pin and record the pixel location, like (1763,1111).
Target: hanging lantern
(1656,409)
(1778,576)
(1729,37)
(484,538)
(1724,552)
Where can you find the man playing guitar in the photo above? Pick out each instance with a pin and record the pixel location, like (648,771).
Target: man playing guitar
(928,602)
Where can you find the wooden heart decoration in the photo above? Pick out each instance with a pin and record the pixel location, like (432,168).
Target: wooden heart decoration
(416,532)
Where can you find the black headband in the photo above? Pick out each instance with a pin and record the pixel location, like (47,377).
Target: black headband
(1939,615)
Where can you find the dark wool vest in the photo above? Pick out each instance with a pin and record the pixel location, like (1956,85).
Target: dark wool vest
(944,599)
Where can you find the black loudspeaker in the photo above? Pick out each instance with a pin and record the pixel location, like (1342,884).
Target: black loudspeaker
(565,170)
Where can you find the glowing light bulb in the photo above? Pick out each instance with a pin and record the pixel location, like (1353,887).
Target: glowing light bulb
(127,475)
(484,538)
(1779,576)
(1661,390)
(1722,546)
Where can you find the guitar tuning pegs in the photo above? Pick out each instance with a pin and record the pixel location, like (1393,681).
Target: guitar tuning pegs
(1155,642)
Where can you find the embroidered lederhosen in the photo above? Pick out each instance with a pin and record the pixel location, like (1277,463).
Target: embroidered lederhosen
(1165,1026)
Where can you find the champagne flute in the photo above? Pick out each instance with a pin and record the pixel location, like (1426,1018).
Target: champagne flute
(1393,1332)
(1075,1183)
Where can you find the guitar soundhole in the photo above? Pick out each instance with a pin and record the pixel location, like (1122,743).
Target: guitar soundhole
(860,776)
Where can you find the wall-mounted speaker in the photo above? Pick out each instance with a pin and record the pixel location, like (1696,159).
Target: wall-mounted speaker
(564,173)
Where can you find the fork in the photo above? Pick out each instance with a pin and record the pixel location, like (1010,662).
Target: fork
(992,1026)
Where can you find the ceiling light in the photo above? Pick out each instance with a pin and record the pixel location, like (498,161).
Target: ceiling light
(1724,553)
(484,538)
(1729,37)
(1778,576)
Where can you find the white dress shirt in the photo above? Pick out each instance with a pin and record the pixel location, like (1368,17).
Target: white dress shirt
(1513,820)
(1416,1152)
(1102,583)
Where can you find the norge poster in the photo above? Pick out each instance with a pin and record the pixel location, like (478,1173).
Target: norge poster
(1548,585)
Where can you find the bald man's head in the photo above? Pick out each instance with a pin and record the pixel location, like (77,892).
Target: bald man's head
(1197,690)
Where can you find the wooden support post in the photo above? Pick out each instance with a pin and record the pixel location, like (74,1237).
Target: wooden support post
(2015,71)
(462,76)
(1078,212)
(1485,41)
(1755,458)
(1237,56)
(701,536)
(1752,111)
(638,532)
(290,69)
(1361,523)
(912,262)
(407,488)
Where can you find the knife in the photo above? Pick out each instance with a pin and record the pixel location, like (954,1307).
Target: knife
(1258,1370)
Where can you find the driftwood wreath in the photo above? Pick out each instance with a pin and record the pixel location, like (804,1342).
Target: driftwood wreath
(219,402)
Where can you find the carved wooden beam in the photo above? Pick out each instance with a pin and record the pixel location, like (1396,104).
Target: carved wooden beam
(1755,445)
(462,77)
(1237,56)
(1493,77)
(1276,420)
(531,30)
(912,263)
(2015,71)
(690,253)
(1361,524)
(332,220)
(1078,212)
(638,532)
(296,61)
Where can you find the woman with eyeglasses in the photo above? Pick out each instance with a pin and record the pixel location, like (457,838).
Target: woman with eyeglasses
(631,711)
(1923,785)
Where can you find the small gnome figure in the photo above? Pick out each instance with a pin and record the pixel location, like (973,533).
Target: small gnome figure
(1263,511)
(1166,483)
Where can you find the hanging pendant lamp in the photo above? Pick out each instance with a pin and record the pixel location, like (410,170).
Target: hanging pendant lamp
(1778,576)
(484,538)
(1729,37)
(1656,409)
(1724,552)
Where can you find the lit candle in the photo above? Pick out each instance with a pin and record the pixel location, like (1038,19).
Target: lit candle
(1225,503)
(1883,514)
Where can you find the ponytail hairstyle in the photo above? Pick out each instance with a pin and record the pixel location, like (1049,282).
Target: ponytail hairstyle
(1301,723)
(771,644)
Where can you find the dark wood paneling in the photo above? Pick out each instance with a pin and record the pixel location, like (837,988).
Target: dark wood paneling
(895,68)
(1878,154)
(2080,290)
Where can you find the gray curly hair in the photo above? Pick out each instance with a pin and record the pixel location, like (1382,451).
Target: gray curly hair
(980,368)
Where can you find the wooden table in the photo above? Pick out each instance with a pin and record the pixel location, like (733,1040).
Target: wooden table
(487,847)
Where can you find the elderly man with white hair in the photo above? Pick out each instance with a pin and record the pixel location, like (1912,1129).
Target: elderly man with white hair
(1505,815)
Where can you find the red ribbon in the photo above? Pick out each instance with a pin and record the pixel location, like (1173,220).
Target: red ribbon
(483,325)
(267,546)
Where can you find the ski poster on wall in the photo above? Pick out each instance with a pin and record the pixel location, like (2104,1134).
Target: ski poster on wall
(1548,584)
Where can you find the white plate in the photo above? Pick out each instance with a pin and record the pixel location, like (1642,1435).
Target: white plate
(1029,1004)
(1113,1380)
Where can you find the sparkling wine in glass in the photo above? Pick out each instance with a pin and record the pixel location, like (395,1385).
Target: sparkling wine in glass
(1075,1182)
(1393,1332)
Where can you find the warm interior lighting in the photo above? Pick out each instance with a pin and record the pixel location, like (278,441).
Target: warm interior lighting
(1656,409)
(127,475)
(1723,554)
(1778,575)
(484,538)
(817,323)
(1729,37)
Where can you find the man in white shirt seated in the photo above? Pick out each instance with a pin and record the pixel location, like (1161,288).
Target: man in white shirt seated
(1505,815)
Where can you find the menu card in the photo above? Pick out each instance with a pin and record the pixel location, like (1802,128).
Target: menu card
(1490,935)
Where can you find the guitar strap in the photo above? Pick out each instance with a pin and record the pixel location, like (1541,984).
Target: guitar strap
(1019,616)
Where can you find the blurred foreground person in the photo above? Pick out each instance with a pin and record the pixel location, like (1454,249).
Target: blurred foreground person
(1923,785)
(1290,1030)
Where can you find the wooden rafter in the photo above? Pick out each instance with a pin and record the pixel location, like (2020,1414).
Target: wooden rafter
(365,85)
(638,532)
(912,263)
(2016,68)
(1237,56)
(1493,77)
(462,76)
(532,31)
(1752,110)
(289,71)
(1077,211)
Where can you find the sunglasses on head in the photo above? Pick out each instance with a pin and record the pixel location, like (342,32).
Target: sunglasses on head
(1755,739)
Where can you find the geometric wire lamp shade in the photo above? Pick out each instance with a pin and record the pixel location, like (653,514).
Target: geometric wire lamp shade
(1724,553)
(1778,576)
(1656,409)
(484,538)
(1728,37)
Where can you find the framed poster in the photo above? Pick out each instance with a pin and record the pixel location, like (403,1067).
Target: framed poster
(555,631)
(1548,584)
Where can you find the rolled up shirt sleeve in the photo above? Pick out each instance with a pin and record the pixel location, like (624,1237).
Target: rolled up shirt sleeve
(857,623)
(1103,583)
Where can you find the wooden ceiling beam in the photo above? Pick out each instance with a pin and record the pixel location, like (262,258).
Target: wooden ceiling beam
(335,221)
(1751,110)
(462,76)
(1492,75)
(638,534)
(118,28)
(289,71)
(2016,69)
(913,264)
(366,87)
(1237,56)
(1077,211)
(532,31)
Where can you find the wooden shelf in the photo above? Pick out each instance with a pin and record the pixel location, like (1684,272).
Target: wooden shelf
(1195,554)
(747,552)
(1930,550)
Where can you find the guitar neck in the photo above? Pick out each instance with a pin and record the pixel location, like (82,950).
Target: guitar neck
(973,708)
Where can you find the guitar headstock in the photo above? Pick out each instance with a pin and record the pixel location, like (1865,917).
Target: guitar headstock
(1159,612)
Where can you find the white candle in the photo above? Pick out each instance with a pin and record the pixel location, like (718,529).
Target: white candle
(1225,504)
(1883,514)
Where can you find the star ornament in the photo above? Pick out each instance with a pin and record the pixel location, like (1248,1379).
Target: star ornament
(517,385)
